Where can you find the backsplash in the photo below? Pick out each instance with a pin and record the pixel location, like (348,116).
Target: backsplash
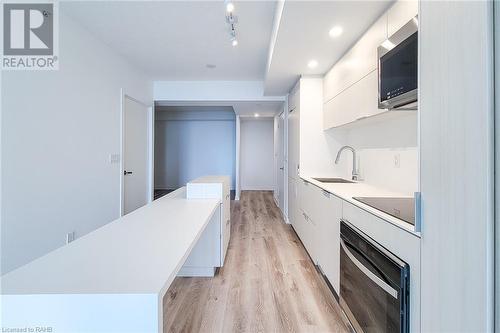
(387,153)
(394,169)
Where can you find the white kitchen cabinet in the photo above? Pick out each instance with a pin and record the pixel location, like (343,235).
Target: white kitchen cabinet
(292,202)
(399,14)
(294,142)
(293,98)
(208,254)
(350,88)
(321,235)
(307,229)
(328,230)
(356,102)
(358,62)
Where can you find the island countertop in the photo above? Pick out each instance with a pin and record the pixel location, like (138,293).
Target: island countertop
(140,252)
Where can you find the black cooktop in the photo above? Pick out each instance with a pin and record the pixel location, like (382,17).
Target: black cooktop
(401,208)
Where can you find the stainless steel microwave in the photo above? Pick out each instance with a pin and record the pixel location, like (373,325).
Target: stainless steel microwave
(398,69)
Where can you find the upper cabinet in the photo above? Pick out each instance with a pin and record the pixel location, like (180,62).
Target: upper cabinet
(399,14)
(350,88)
(358,62)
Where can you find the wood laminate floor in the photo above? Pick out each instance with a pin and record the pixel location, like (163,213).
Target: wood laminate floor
(267,284)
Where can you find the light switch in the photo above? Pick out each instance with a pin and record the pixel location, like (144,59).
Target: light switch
(70,236)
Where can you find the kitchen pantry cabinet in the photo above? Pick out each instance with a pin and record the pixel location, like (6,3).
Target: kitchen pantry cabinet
(350,88)
(294,140)
(293,155)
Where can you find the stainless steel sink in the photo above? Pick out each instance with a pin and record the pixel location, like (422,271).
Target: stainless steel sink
(333,180)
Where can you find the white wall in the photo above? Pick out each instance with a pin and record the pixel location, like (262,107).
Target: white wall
(211,91)
(317,148)
(190,147)
(58,130)
(257,154)
(456,140)
(379,144)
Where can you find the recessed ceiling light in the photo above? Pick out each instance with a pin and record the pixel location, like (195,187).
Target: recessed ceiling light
(256,115)
(336,31)
(229,7)
(312,64)
(388,45)
(211,66)
(234,42)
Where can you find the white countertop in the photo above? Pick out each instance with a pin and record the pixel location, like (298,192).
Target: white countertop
(138,253)
(347,191)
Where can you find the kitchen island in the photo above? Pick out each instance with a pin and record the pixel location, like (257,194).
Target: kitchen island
(112,279)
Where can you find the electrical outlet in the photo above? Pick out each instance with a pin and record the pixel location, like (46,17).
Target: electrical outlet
(397,160)
(70,236)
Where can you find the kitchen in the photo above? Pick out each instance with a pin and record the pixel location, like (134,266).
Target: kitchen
(348,186)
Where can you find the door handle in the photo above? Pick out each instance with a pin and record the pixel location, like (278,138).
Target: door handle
(378,281)
(281,168)
(125,172)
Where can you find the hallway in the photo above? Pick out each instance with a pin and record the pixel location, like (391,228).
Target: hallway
(268,282)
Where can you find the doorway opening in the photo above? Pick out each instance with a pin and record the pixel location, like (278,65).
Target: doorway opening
(193,141)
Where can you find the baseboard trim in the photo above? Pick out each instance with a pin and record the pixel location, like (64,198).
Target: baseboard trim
(257,188)
(189,271)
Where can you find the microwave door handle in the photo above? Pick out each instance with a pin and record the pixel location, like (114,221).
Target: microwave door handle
(378,281)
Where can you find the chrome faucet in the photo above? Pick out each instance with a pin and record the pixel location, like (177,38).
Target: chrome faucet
(355,174)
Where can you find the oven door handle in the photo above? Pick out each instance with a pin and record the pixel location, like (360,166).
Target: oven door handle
(378,281)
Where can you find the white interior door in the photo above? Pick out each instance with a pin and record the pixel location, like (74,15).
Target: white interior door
(281,161)
(135,155)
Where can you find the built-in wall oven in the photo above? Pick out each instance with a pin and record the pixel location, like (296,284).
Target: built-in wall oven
(374,284)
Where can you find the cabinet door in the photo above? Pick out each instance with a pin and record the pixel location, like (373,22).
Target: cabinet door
(356,102)
(307,204)
(293,143)
(307,233)
(292,202)
(360,60)
(328,231)
(399,14)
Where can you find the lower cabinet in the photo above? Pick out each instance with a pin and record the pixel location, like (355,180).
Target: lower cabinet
(318,227)
(292,202)
(329,237)
(210,250)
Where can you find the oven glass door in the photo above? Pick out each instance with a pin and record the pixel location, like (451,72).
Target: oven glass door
(369,298)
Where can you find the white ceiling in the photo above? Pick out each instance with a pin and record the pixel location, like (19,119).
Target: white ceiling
(175,40)
(243,109)
(303,35)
